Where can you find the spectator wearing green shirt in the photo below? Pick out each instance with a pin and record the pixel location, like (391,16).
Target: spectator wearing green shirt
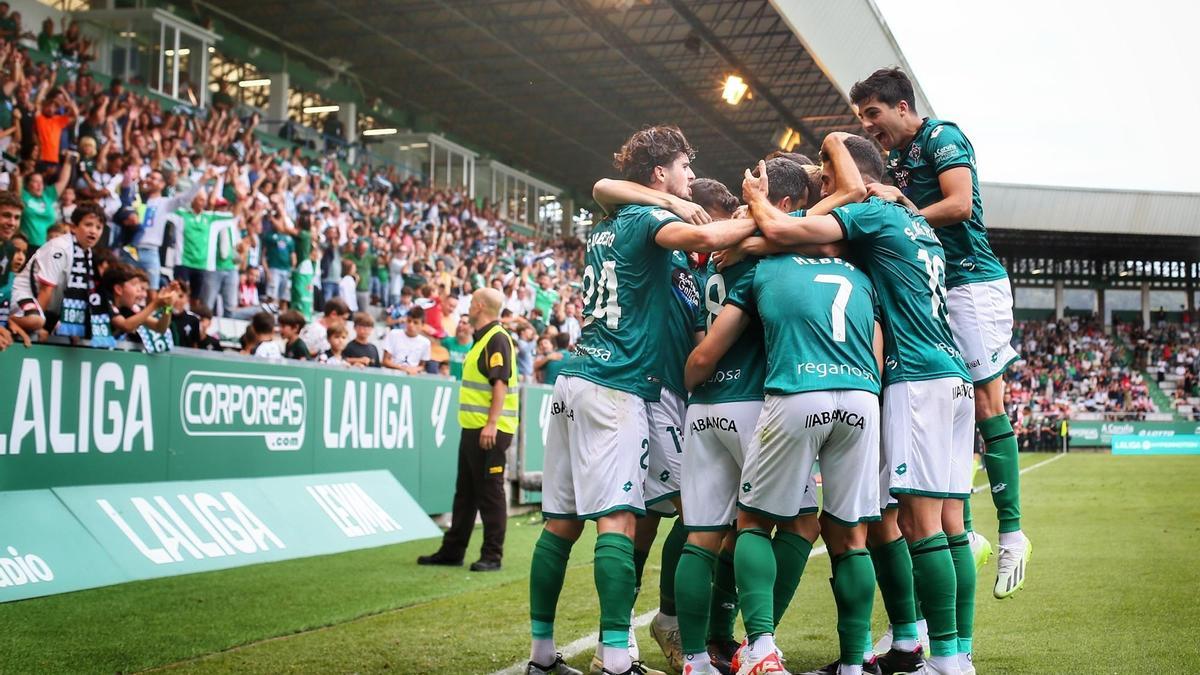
(458,345)
(39,201)
(364,262)
(549,364)
(546,297)
(280,251)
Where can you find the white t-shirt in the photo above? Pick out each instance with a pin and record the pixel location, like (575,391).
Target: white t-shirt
(315,337)
(405,350)
(51,265)
(347,291)
(268,350)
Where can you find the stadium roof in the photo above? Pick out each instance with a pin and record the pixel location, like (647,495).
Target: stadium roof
(1063,222)
(554,86)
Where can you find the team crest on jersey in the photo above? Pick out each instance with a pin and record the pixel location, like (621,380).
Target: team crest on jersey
(914,151)
(662,214)
(685,288)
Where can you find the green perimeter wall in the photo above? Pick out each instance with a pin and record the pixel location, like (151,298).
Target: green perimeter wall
(76,416)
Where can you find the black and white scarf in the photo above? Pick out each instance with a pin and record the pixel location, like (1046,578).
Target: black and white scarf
(154,342)
(83,313)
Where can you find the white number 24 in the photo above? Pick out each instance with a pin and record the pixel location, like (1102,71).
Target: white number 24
(607,309)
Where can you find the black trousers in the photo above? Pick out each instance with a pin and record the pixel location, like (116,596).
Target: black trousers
(479,489)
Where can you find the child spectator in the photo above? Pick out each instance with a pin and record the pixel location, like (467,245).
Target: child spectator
(206,341)
(291,323)
(361,352)
(348,284)
(337,345)
(407,349)
(262,337)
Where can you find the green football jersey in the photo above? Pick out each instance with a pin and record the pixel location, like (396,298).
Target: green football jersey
(939,146)
(625,301)
(904,258)
(678,336)
(740,373)
(818,317)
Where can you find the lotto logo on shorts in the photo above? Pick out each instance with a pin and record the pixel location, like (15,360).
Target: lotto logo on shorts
(627,486)
(746,487)
(664,476)
(902,469)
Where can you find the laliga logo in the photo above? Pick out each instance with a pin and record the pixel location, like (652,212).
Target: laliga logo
(233,405)
(968,263)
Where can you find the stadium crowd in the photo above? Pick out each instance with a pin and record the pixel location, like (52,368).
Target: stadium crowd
(1071,366)
(199,218)
(1172,353)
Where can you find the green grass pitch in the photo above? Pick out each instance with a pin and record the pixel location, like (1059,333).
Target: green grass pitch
(1112,588)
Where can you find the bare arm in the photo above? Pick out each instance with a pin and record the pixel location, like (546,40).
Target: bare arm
(779,226)
(955,205)
(610,193)
(724,332)
(704,238)
(878,346)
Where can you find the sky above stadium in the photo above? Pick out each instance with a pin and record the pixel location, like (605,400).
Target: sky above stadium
(1100,94)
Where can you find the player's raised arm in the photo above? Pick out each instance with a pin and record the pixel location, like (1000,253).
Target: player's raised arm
(778,226)
(610,193)
(848,181)
(724,332)
(704,238)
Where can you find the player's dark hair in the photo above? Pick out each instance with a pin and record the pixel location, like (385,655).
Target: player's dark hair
(84,209)
(796,157)
(648,148)
(866,157)
(889,85)
(786,179)
(712,194)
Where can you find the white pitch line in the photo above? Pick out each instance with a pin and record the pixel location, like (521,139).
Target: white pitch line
(577,647)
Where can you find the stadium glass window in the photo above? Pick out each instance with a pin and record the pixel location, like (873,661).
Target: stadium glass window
(225,70)
(72,5)
(299,99)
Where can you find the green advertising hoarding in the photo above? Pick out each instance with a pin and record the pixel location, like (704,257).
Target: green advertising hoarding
(86,536)
(82,417)
(44,550)
(1182,444)
(1087,433)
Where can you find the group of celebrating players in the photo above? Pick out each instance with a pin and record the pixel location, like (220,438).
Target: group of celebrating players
(838,319)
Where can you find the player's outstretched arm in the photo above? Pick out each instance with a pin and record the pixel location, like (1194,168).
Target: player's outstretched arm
(706,238)
(849,180)
(610,193)
(778,226)
(724,332)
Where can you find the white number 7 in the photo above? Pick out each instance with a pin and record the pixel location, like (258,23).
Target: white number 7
(839,302)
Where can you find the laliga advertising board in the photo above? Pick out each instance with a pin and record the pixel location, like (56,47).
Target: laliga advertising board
(131,466)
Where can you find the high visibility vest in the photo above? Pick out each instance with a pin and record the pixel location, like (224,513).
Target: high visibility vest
(475,394)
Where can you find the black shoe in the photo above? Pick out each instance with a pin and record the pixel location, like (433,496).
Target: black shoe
(485,566)
(559,667)
(440,558)
(900,661)
(720,654)
(869,668)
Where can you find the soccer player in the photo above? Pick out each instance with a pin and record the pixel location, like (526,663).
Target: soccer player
(932,165)
(819,319)
(927,408)
(598,425)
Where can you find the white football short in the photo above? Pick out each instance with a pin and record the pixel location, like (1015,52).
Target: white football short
(718,435)
(593,449)
(928,436)
(841,428)
(663,460)
(981,320)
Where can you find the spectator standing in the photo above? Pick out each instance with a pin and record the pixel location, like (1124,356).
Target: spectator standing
(40,203)
(361,352)
(150,235)
(281,260)
(553,362)
(457,346)
(407,349)
(348,285)
(488,413)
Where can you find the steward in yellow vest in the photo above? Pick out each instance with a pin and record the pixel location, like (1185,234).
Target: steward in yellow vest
(488,412)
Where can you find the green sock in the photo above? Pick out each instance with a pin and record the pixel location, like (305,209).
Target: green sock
(639,566)
(693,595)
(894,573)
(723,612)
(614,583)
(964,605)
(546,574)
(671,550)
(934,579)
(854,592)
(754,568)
(968,521)
(791,555)
(1004,474)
